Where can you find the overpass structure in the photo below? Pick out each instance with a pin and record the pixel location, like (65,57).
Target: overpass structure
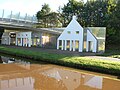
(21,31)
(11,20)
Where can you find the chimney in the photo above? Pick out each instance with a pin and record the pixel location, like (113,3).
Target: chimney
(74,17)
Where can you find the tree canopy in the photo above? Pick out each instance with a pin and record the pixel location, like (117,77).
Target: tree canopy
(47,18)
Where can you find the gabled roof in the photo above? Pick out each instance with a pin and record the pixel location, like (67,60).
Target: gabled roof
(73,25)
(70,30)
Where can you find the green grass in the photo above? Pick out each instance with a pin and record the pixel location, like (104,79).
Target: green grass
(91,64)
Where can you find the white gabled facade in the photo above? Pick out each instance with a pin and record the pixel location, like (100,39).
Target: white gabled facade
(5,39)
(73,33)
(91,43)
(23,39)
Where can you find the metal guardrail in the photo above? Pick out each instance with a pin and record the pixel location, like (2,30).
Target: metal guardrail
(8,17)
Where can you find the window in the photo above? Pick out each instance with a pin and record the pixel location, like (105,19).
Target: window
(77,32)
(68,32)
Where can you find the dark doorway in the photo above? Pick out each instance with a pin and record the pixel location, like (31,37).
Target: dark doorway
(90,46)
(13,38)
(1,33)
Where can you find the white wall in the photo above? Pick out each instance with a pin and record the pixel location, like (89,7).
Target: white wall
(23,36)
(70,34)
(5,38)
(91,37)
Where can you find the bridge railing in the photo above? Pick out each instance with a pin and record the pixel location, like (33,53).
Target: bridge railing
(10,17)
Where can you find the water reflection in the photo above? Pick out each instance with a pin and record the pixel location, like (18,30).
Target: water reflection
(48,77)
(74,80)
(25,83)
(8,60)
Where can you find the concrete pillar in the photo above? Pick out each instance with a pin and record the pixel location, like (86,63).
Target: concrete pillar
(16,41)
(26,41)
(3,14)
(25,17)
(65,44)
(62,45)
(21,42)
(41,39)
(80,46)
(32,18)
(74,45)
(10,16)
(18,17)
(70,45)
(9,40)
(57,44)
(29,43)
(87,45)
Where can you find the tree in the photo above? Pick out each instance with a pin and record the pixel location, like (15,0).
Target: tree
(113,31)
(47,18)
(73,7)
(41,15)
(54,19)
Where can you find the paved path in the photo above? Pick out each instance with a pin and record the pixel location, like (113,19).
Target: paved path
(70,53)
(104,58)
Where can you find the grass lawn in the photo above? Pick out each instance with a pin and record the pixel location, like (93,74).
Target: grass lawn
(91,64)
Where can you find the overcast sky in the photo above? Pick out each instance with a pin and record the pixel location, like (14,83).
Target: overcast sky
(30,6)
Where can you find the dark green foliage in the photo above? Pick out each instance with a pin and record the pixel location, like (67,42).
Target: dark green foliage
(97,65)
(96,13)
(112,51)
(46,18)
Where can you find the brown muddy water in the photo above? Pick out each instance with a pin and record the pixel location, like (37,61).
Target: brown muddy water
(21,75)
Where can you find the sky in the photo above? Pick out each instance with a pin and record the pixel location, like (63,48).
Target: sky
(30,6)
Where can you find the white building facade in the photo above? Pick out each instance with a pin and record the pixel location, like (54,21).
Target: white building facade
(75,38)
(72,35)
(91,43)
(28,38)
(23,39)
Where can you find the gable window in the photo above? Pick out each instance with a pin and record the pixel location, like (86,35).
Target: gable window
(68,32)
(77,32)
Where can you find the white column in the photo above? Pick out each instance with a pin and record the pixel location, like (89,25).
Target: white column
(80,46)
(18,17)
(87,45)
(62,45)
(65,44)
(70,45)
(29,44)
(9,41)
(3,14)
(74,45)
(16,41)
(32,18)
(41,39)
(57,44)
(26,41)
(21,41)
(25,17)
(10,16)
